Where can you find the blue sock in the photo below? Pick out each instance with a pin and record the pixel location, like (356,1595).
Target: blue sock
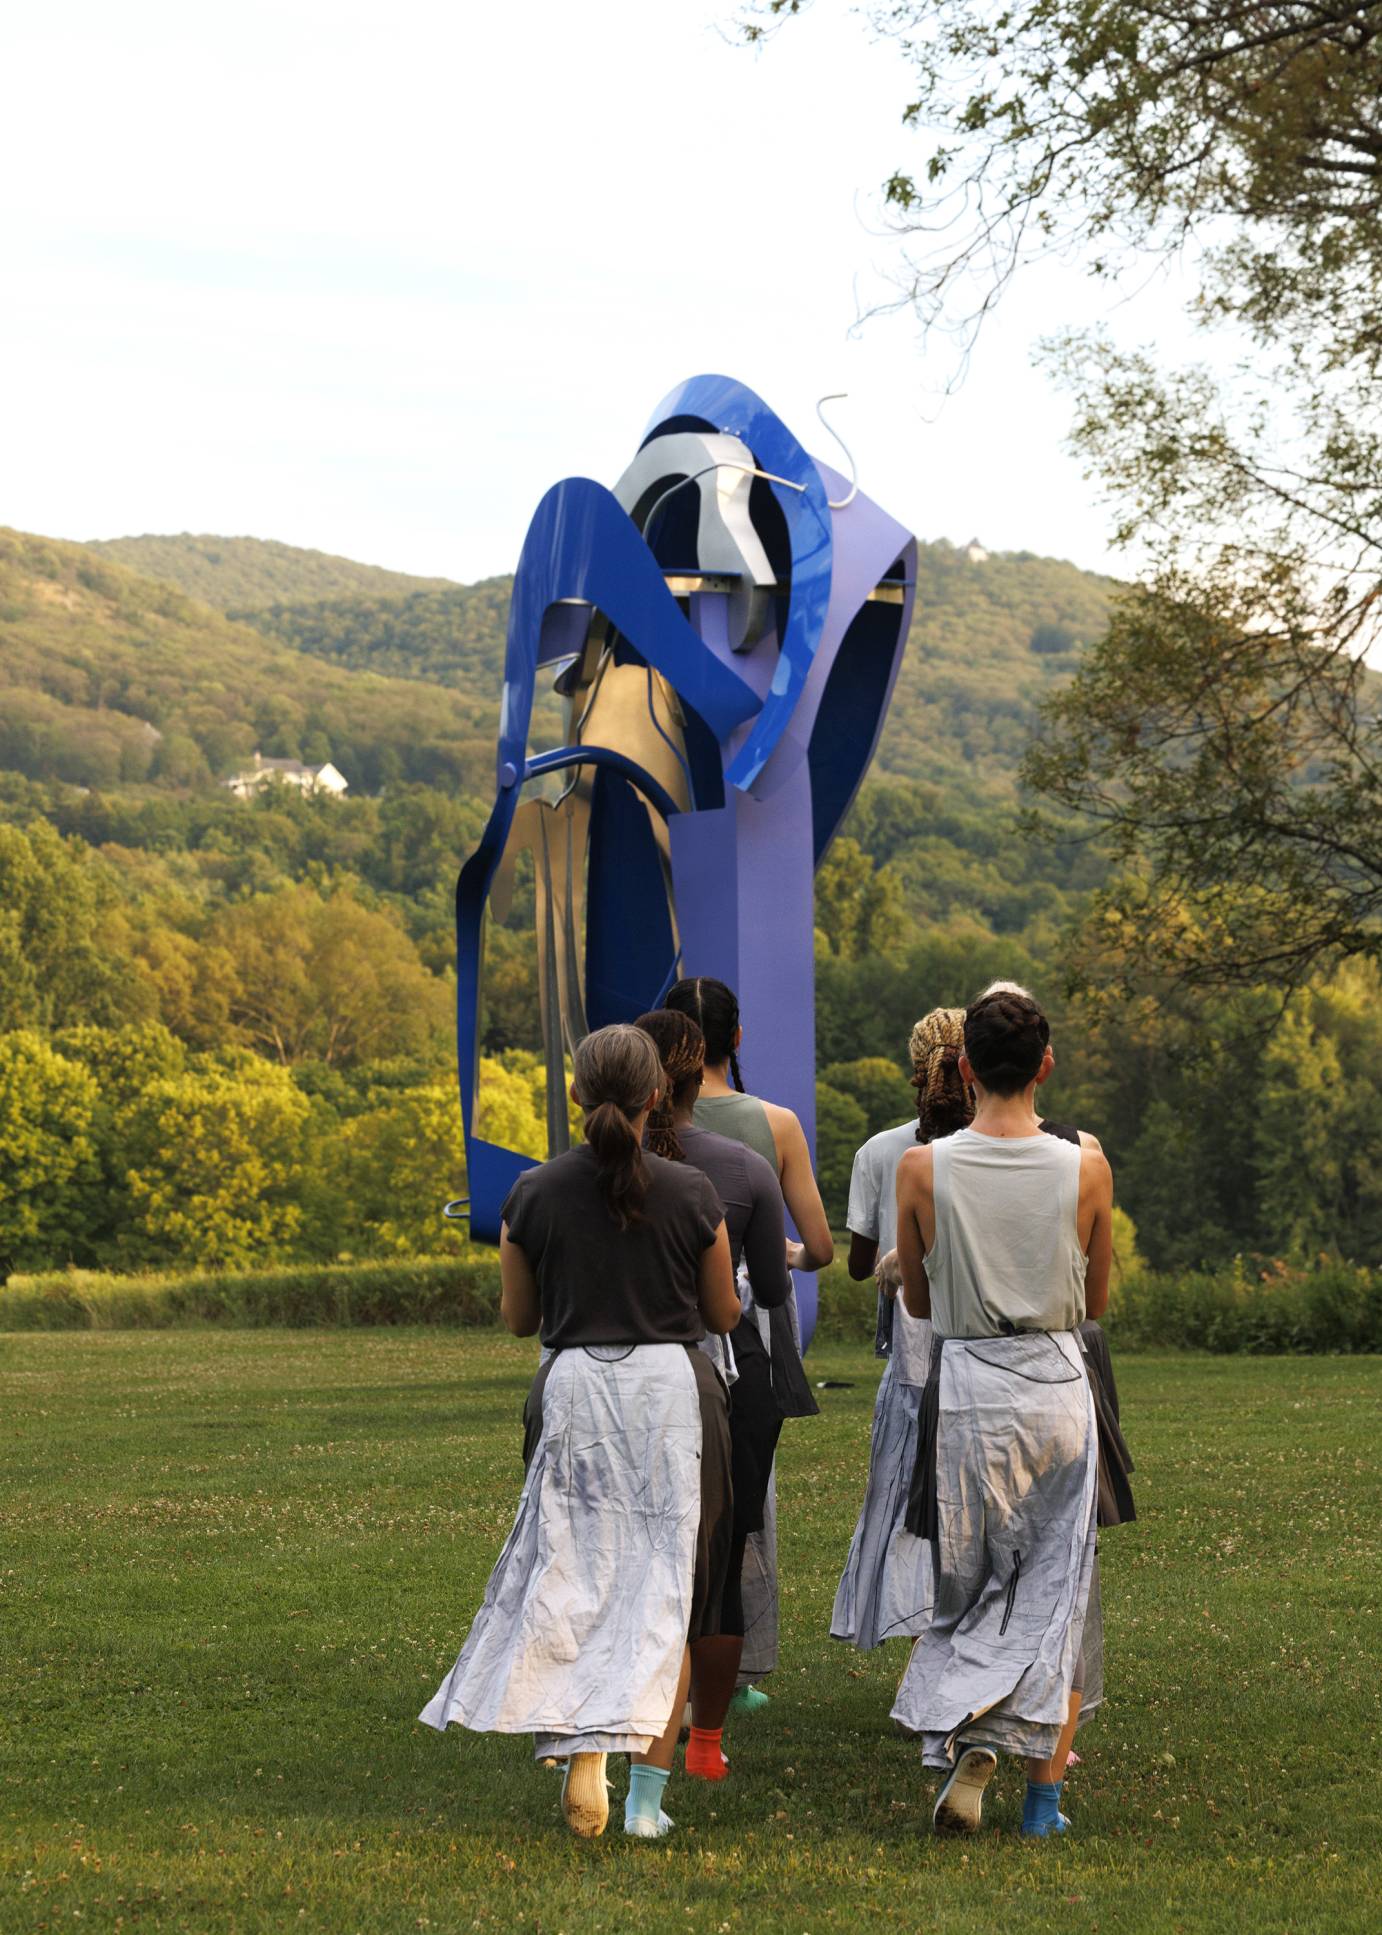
(646,1786)
(1041,1810)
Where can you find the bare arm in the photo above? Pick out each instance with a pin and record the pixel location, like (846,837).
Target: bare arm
(863,1255)
(519,1303)
(914,1219)
(718,1298)
(803,1198)
(1096,1228)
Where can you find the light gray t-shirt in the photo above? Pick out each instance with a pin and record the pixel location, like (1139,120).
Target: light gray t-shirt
(1007,1253)
(873,1213)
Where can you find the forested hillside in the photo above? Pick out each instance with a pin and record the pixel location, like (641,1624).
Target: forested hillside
(247,573)
(110,680)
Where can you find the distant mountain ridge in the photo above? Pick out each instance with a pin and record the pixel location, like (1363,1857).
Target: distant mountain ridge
(108,679)
(248,573)
(112,678)
(992,633)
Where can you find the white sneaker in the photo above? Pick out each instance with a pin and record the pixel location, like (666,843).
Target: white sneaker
(960,1803)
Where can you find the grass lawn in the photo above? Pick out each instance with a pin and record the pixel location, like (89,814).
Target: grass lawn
(235,1564)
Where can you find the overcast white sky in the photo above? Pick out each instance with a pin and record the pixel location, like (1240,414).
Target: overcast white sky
(370,277)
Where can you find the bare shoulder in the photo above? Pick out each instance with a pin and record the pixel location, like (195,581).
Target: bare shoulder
(1090,1141)
(788,1133)
(1095,1172)
(915,1169)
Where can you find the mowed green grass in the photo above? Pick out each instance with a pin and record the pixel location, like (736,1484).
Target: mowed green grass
(234,1566)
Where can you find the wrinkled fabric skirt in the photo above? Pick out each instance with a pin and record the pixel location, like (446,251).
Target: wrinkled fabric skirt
(580,1636)
(885,1591)
(1016,1500)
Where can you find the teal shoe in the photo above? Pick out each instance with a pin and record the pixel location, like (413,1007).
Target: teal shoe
(749,1700)
(1039,1833)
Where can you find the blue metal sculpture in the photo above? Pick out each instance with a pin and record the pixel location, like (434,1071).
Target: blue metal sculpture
(724,627)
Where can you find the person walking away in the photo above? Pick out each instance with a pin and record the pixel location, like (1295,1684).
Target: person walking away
(885,1589)
(776,1134)
(1116,1506)
(747,1188)
(621,1262)
(1005,1240)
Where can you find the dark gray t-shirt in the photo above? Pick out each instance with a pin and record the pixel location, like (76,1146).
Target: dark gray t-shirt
(751,1198)
(599,1284)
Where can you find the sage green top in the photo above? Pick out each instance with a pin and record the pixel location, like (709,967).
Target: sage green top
(742,1118)
(1007,1252)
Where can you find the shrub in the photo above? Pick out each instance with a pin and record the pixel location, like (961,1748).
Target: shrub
(1330,1307)
(458,1291)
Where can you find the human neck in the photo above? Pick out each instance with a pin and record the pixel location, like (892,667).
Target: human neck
(1006,1116)
(717,1080)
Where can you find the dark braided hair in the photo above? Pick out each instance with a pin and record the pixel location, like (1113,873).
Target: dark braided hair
(1006,1036)
(715,1010)
(614,1071)
(681,1050)
(943,1101)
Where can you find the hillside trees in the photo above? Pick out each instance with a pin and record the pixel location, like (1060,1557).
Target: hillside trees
(47,1151)
(62,935)
(297,974)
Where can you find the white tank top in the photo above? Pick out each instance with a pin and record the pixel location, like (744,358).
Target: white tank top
(1007,1254)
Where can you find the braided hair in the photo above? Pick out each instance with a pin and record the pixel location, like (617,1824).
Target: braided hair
(681,1050)
(715,1010)
(943,1101)
(1006,1037)
(614,1071)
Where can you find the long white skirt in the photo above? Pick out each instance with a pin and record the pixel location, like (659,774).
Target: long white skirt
(885,1591)
(1016,1496)
(580,1637)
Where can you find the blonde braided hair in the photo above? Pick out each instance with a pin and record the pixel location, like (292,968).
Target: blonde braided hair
(943,1102)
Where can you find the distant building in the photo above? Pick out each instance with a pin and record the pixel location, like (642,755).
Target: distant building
(286,772)
(975,552)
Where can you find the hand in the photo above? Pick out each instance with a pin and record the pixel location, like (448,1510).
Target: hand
(796,1255)
(887,1274)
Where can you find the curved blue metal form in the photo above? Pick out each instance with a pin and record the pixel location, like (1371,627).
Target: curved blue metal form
(719,403)
(726,663)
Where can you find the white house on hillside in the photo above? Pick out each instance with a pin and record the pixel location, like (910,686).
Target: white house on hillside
(286,772)
(975,552)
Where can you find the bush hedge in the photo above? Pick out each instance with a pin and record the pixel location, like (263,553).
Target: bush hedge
(1329,1307)
(1332,1307)
(440,1290)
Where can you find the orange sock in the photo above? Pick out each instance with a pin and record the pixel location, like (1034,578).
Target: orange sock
(703,1756)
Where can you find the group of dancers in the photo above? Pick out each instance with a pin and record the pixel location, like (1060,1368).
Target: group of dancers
(653,1262)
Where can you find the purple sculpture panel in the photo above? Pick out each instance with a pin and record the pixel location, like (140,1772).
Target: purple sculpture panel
(723,630)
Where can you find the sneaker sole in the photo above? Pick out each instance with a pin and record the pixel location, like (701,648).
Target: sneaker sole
(960,1803)
(585,1796)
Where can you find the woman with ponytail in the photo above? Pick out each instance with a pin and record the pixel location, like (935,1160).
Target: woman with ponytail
(621,1261)
(885,1589)
(747,1187)
(774,1133)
